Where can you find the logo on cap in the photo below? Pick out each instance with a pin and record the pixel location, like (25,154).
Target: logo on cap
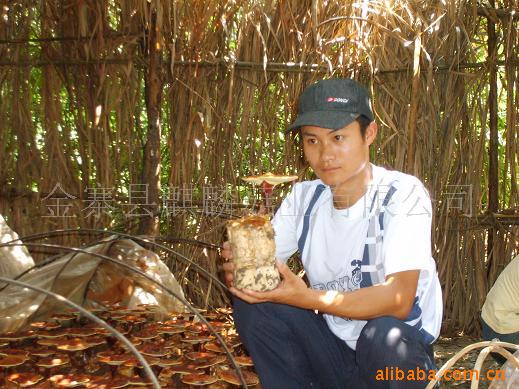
(337,100)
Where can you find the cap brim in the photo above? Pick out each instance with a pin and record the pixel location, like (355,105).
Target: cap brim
(325,119)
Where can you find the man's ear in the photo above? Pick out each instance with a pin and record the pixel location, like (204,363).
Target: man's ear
(371,132)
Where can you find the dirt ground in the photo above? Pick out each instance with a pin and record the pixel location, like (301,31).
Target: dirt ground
(447,347)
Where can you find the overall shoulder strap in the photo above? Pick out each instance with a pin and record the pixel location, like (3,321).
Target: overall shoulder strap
(306,218)
(372,272)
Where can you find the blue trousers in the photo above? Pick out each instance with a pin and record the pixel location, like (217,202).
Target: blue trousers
(294,348)
(490,334)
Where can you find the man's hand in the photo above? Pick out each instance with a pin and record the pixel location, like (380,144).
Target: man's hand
(292,290)
(228,267)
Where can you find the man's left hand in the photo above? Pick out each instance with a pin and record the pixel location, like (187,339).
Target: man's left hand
(292,290)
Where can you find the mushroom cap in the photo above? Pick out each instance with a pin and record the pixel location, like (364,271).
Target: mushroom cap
(108,383)
(170,330)
(133,319)
(95,340)
(146,334)
(49,341)
(170,361)
(113,358)
(219,385)
(138,381)
(53,361)
(40,351)
(153,350)
(183,369)
(47,325)
(46,384)
(251,221)
(199,379)
(197,339)
(178,320)
(225,310)
(232,377)
(82,331)
(98,329)
(14,352)
(11,361)
(244,360)
(270,178)
(123,330)
(69,380)
(216,347)
(197,355)
(232,341)
(126,371)
(74,344)
(12,336)
(24,379)
(63,317)
(134,341)
(203,363)
(149,307)
(172,343)
(219,325)
(46,334)
(197,328)
(133,361)
(119,308)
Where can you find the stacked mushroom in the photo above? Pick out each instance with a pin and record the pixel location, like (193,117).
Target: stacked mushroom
(69,351)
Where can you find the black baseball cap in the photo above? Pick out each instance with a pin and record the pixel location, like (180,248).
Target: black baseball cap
(333,104)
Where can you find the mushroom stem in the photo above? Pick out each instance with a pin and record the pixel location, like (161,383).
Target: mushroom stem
(267,195)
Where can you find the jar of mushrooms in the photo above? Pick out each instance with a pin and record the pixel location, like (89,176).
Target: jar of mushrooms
(254,253)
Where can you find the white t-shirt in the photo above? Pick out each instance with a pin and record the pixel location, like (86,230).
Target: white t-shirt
(501,308)
(336,238)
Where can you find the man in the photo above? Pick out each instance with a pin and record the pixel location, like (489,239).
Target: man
(500,312)
(364,236)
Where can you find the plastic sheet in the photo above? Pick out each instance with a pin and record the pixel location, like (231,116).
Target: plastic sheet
(13,260)
(111,280)
(511,380)
(91,281)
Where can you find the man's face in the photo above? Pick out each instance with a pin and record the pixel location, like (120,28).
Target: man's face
(338,157)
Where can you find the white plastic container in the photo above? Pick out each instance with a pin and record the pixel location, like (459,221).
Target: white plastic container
(254,253)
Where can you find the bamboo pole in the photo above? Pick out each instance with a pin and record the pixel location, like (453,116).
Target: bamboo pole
(414,104)
(275,67)
(153,90)
(493,177)
(68,38)
(512,116)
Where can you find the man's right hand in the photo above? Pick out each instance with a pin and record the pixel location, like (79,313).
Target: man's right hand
(228,267)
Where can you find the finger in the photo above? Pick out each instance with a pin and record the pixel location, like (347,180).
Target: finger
(226,254)
(229,276)
(226,251)
(245,297)
(261,296)
(229,283)
(229,279)
(283,269)
(228,266)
